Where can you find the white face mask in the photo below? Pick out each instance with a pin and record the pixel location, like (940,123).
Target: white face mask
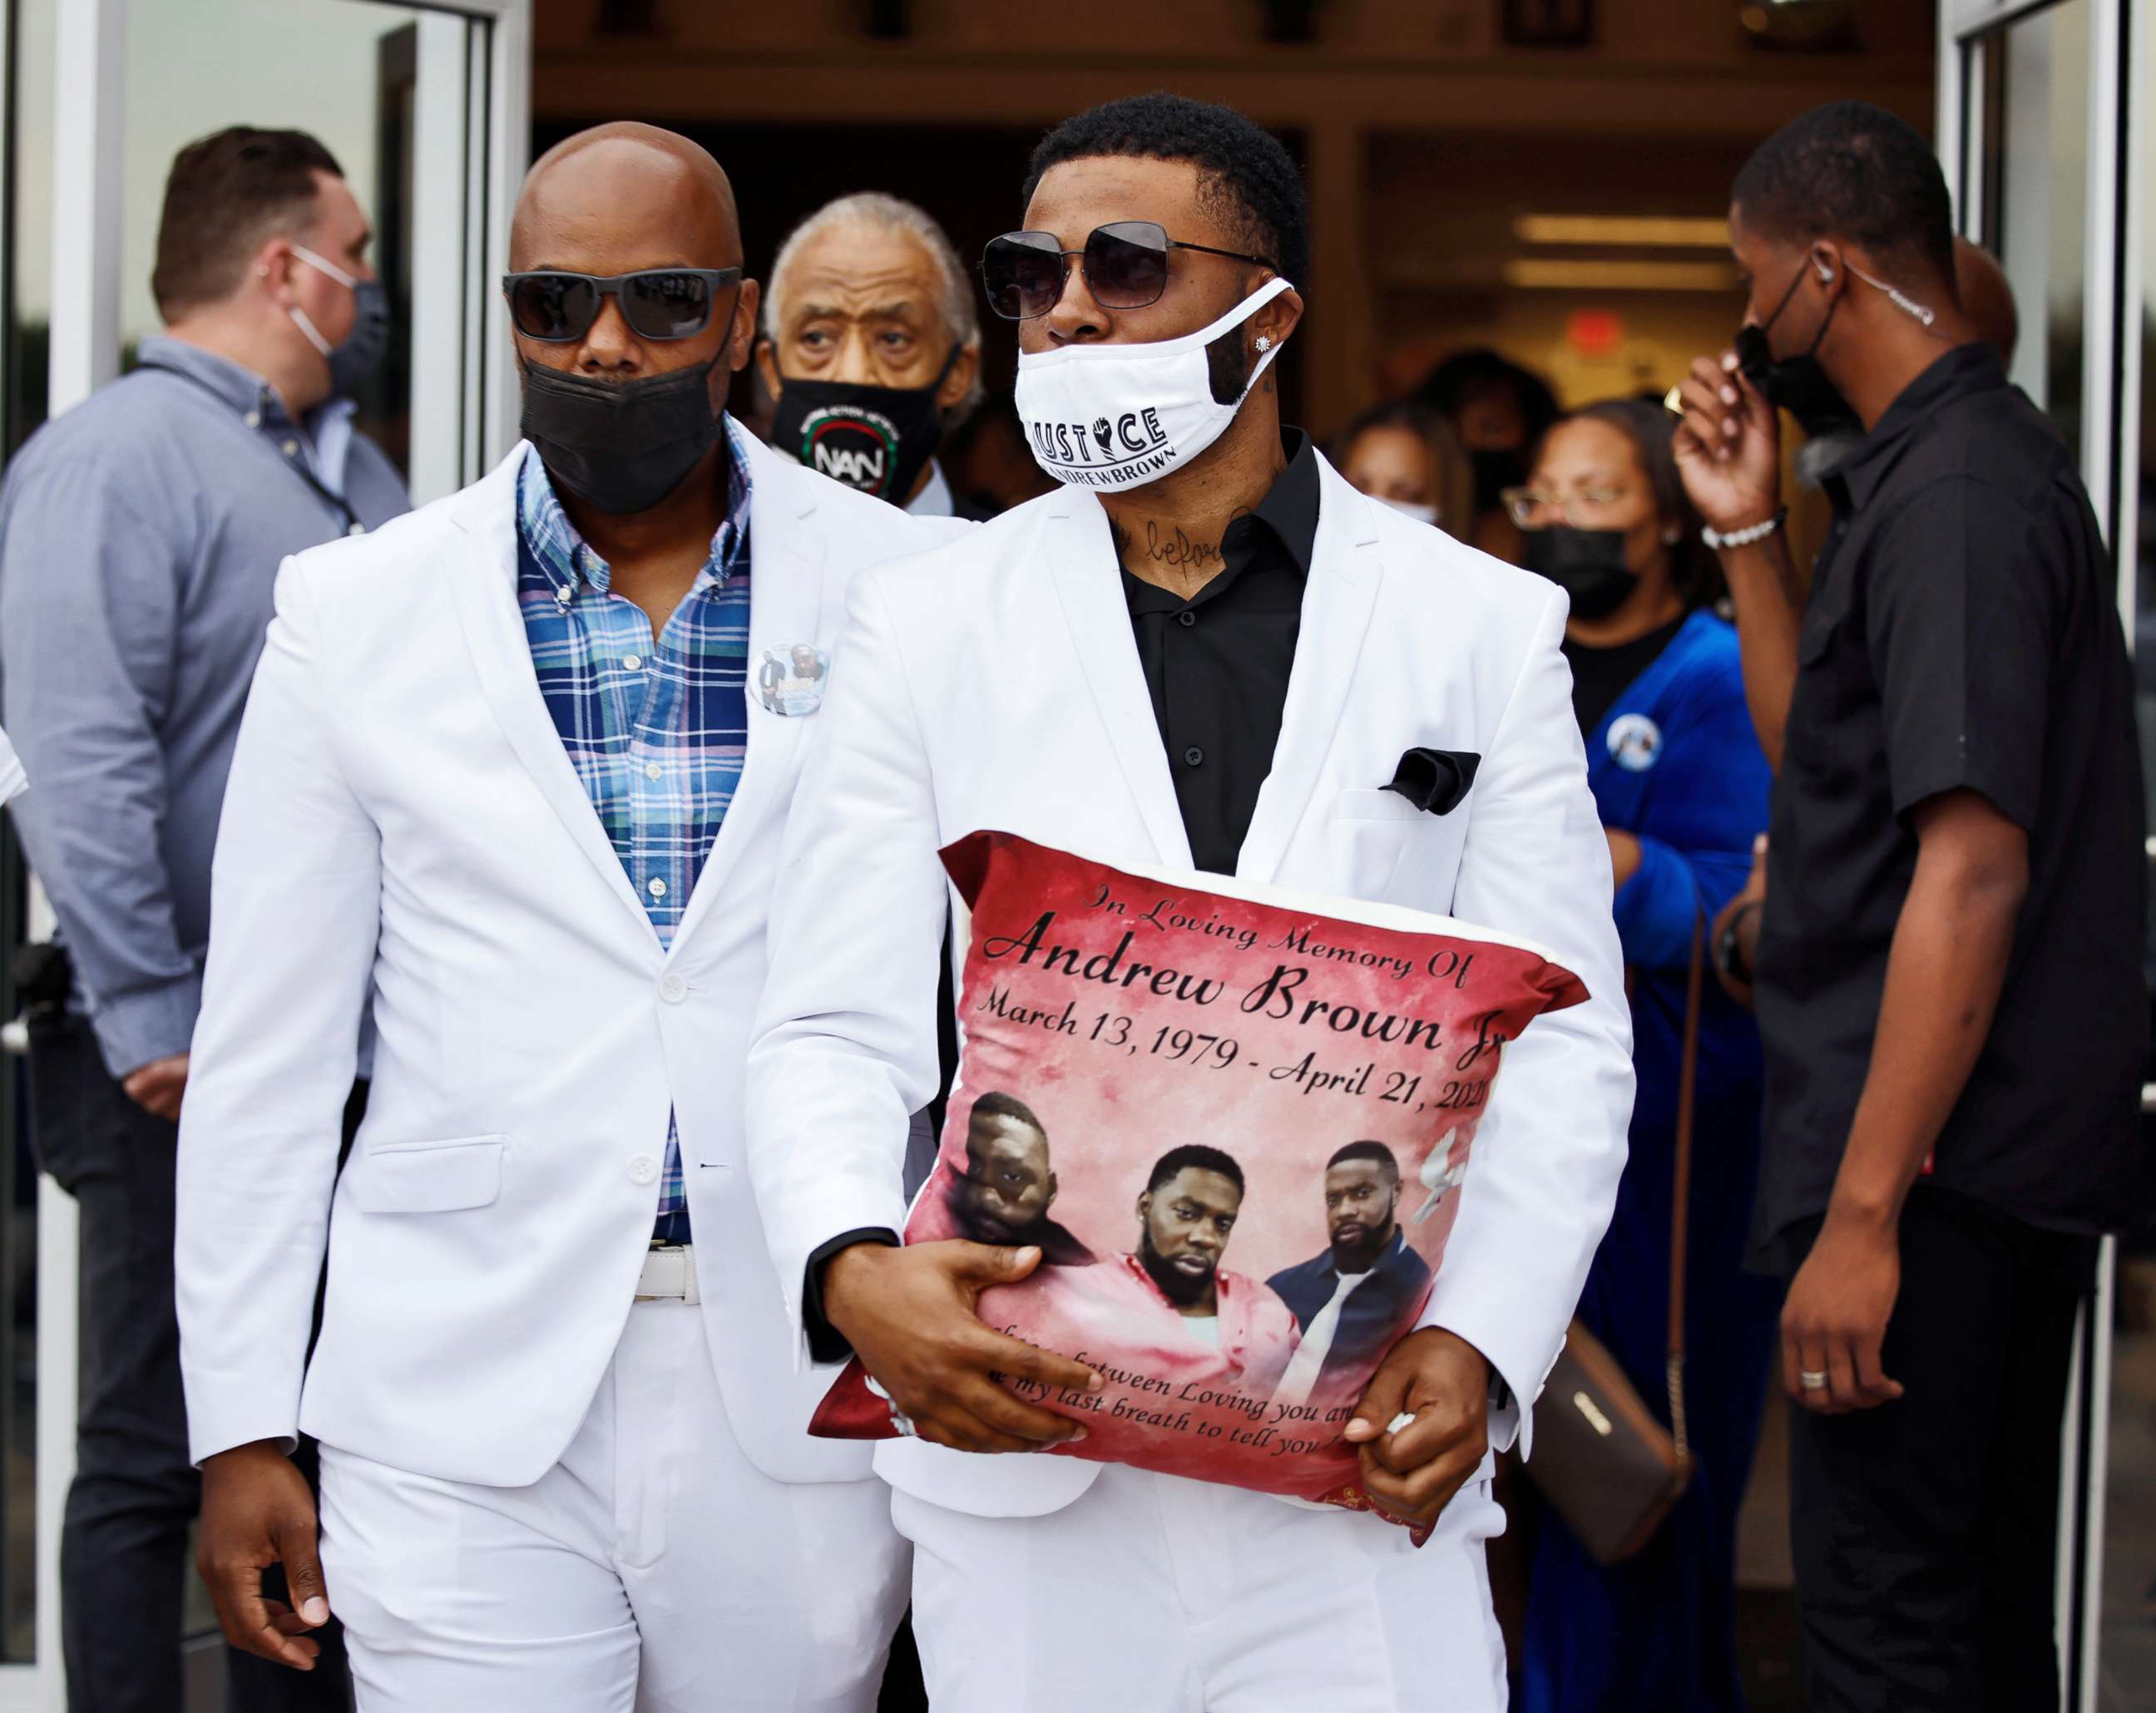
(1117,416)
(1408,508)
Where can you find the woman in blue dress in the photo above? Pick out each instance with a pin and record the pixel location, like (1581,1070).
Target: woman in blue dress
(1683,787)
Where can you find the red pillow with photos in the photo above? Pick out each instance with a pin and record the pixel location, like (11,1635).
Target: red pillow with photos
(1237,1122)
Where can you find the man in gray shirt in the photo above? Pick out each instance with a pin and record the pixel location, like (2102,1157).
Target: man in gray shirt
(140,538)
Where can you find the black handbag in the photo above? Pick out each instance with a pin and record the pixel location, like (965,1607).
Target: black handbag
(1602,1459)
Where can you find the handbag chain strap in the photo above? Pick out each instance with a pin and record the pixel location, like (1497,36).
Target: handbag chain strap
(1681,1199)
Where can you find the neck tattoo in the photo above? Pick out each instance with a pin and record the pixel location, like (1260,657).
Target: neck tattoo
(1173,547)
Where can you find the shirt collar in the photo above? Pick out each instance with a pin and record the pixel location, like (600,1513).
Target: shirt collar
(235,383)
(328,426)
(1226,1286)
(1960,373)
(935,499)
(1385,1255)
(1290,507)
(1288,513)
(567,558)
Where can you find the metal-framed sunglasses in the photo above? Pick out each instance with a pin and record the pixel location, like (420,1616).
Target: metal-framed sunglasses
(657,303)
(1126,263)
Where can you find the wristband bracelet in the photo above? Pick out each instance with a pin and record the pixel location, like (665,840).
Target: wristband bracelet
(1728,948)
(1716,540)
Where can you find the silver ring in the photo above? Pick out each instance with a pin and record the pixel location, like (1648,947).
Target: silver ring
(1812,1379)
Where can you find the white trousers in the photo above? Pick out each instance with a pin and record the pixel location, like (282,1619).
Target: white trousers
(1150,1594)
(655,1568)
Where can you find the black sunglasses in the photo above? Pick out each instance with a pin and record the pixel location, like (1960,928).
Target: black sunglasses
(1125,267)
(658,303)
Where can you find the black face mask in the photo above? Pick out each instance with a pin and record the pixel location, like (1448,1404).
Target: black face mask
(1588,565)
(362,352)
(1494,471)
(876,439)
(1796,384)
(622,445)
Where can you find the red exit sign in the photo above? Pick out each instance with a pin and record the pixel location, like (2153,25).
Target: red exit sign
(1594,332)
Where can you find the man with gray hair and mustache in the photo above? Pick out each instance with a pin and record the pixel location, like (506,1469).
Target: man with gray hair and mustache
(871,346)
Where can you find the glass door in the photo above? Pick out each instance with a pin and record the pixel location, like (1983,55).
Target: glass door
(27,117)
(426,107)
(2044,127)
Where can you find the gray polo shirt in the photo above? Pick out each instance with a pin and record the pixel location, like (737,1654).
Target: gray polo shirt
(139,537)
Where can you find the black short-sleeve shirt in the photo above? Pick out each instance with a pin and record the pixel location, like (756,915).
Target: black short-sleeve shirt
(1961,635)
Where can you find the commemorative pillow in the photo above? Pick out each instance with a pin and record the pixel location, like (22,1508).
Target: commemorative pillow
(1238,1123)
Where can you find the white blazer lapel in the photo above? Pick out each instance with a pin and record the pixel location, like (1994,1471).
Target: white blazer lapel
(786,604)
(483,589)
(1089,588)
(1346,568)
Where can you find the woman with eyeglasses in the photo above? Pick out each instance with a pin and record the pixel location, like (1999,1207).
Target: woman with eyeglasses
(1404,456)
(1681,785)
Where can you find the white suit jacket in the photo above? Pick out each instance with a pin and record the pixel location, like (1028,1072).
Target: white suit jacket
(995,682)
(403,826)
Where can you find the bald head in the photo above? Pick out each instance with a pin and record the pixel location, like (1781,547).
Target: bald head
(622,197)
(1986,297)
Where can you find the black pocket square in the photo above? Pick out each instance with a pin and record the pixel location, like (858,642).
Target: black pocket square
(1435,780)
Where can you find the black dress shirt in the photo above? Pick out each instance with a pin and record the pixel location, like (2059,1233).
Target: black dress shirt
(1961,635)
(1218,663)
(1218,667)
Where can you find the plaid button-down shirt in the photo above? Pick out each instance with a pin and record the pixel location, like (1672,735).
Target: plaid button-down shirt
(656,729)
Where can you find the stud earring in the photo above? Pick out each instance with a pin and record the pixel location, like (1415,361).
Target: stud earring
(1671,536)
(1264,342)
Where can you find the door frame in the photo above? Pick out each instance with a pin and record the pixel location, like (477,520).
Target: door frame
(2111,388)
(465,399)
(462,376)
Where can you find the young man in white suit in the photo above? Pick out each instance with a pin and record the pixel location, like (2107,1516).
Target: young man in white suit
(1221,655)
(511,776)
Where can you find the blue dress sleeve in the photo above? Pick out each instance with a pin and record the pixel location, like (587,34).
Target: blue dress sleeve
(1709,802)
(1655,907)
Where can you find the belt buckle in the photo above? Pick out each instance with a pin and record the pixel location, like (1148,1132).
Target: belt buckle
(687,1292)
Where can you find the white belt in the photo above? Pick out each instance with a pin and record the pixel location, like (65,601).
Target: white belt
(670,1275)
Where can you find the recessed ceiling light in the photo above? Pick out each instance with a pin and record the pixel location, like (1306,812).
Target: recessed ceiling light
(1638,231)
(1535,273)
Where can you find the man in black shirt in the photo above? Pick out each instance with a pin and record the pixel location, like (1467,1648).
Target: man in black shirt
(1202,649)
(1214,557)
(1949,984)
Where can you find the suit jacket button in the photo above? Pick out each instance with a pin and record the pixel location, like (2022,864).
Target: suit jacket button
(672,989)
(643,1169)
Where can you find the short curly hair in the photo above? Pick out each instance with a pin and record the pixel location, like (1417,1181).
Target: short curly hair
(1245,178)
(1852,170)
(995,1104)
(1193,1157)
